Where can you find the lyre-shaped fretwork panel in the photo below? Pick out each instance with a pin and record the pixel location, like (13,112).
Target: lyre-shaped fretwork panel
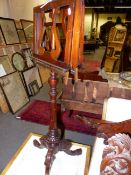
(59,31)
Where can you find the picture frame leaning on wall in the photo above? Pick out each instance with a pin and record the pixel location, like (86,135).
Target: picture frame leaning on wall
(34,88)
(18,61)
(14,91)
(21,35)
(27,26)
(9,30)
(27,53)
(29,76)
(5,61)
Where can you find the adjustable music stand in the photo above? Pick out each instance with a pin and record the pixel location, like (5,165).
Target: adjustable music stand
(58,44)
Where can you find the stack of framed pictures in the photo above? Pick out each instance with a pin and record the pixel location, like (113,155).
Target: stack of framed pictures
(24,64)
(14,91)
(15,60)
(24,60)
(15,32)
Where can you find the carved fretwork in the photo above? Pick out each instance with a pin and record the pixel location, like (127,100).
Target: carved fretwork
(109,129)
(116,159)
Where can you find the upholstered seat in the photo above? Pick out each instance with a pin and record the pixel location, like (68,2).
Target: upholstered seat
(114,110)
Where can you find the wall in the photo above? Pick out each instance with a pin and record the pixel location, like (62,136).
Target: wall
(18,9)
(4,8)
(87,22)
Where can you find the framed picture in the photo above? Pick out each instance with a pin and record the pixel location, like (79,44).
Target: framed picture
(28,57)
(111,34)
(18,61)
(28,29)
(2,41)
(120,36)
(5,62)
(34,88)
(21,35)
(14,91)
(18,24)
(117,53)
(109,64)
(109,52)
(2,70)
(9,30)
(29,76)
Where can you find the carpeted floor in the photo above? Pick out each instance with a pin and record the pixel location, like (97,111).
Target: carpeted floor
(39,112)
(91,65)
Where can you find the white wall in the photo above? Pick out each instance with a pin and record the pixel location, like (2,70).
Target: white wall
(4,8)
(18,9)
(87,22)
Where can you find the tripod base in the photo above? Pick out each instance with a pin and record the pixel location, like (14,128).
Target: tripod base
(53,143)
(52,140)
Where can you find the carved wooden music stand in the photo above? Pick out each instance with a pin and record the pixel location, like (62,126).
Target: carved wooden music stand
(58,44)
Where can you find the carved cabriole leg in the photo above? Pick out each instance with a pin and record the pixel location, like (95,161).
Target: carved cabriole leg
(52,140)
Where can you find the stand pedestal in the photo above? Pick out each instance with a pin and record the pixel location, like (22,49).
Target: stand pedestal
(52,140)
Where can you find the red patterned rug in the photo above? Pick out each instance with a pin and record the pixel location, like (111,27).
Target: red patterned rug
(39,112)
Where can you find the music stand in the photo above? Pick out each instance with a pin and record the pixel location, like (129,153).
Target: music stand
(58,44)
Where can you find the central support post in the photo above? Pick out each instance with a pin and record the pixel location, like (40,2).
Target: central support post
(52,140)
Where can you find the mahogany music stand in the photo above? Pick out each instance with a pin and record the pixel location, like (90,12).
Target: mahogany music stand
(61,54)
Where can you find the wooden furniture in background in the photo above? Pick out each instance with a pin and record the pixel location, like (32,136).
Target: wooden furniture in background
(90,45)
(114,51)
(88,95)
(104,31)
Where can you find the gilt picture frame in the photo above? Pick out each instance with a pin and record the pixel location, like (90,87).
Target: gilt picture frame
(9,31)
(120,36)
(110,51)
(14,91)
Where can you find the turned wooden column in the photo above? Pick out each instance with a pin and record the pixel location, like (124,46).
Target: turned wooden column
(53,84)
